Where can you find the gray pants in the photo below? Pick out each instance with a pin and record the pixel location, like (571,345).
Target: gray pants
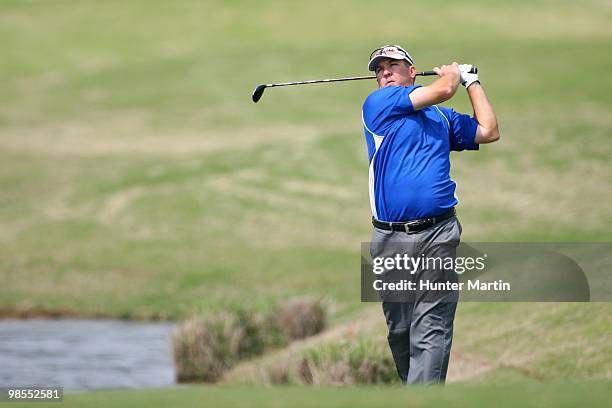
(421,330)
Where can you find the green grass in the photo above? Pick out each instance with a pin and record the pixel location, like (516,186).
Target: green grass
(592,394)
(136,169)
(138,180)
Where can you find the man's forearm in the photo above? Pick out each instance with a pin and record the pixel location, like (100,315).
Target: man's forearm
(448,84)
(438,91)
(483,113)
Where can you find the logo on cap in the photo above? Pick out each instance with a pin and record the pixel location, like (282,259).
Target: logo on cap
(388,51)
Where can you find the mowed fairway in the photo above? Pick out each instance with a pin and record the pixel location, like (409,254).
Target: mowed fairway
(517,394)
(138,180)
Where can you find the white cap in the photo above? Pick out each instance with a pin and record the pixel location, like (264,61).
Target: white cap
(388,51)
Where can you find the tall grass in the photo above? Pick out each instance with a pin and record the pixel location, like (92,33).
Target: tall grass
(357,360)
(204,347)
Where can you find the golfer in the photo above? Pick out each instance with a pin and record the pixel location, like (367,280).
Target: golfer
(409,139)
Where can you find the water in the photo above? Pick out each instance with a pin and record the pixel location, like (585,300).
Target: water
(85,354)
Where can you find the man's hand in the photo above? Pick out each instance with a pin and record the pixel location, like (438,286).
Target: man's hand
(441,90)
(453,71)
(467,79)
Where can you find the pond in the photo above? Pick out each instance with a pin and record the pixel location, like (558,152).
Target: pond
(85,354)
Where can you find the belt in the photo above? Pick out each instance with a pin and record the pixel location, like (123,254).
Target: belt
(414,226)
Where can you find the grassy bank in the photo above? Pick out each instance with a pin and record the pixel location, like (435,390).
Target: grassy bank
(493,343)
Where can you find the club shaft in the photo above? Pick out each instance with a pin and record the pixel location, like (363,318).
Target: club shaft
(318,81)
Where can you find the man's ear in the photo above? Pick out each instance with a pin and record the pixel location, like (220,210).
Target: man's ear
(413,72)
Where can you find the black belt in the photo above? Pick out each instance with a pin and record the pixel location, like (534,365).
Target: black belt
(411,227)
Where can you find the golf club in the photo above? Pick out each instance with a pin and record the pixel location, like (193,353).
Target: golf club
(259,90)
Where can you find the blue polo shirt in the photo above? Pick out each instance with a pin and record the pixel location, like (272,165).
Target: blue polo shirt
(409,152)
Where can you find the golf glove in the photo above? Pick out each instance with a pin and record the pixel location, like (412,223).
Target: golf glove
(467,79)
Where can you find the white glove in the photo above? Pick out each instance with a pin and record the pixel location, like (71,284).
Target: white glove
(467,79)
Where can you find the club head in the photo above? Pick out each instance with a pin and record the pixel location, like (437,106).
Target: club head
(258,92)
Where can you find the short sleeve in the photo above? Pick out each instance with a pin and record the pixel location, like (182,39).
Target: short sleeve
(462,130)
(386,105)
